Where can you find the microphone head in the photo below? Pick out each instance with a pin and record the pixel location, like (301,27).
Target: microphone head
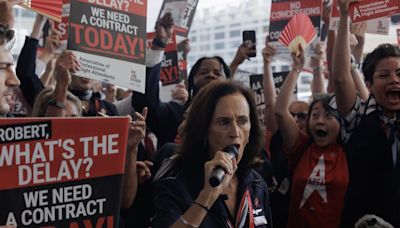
(233,150)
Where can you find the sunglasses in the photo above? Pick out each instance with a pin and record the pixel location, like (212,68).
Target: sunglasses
(300,115)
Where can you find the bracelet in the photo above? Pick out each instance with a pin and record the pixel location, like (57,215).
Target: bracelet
(202,206)
(159,43)
(55,103)
(186,222)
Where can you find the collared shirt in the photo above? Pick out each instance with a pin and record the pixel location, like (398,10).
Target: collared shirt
(361,108)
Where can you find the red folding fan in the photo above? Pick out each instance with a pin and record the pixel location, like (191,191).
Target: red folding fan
(299,31)
(49,8)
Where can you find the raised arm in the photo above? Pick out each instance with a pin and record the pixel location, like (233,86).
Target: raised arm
(269,88)
(317,64)
(341,67)
(242,53)
(137,131)
(358,29)
(286,122)
(65,65)
(26,65)
(163,118)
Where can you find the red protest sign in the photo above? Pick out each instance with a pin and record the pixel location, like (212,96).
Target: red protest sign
(109,39)
(169,66)
(64,170)
(282,12)
(369,9)
(62,26)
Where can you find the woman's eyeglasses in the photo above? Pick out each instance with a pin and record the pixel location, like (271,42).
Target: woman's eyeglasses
(299,115)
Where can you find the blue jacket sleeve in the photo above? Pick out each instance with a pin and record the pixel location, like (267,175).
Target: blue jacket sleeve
(26,65)
(163,117)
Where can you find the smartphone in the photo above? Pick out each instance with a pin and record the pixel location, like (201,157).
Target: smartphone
(249,39)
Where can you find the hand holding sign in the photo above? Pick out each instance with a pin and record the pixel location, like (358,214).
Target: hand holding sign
(164,28)
(344,6)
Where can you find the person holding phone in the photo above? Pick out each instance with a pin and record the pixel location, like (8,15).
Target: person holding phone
(246,50)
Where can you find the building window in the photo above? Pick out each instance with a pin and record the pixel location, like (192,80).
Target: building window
(205,47)
(234,33)
(193,39)
(219,46)
(219,35)
(219,27)
(205,37)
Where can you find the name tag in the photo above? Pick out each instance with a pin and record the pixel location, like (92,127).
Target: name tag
(260,220)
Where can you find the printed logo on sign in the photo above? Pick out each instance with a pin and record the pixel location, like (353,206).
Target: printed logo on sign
(356,14)
(134,77)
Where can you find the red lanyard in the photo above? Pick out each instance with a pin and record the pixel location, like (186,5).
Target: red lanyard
(245,199)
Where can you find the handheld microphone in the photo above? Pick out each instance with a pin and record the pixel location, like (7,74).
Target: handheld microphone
(219,173)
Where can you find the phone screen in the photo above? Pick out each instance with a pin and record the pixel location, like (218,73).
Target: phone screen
(249,39)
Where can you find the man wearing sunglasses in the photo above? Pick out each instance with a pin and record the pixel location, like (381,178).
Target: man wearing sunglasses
(299,110)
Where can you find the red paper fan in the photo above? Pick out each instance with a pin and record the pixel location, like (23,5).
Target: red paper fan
(299,30)
(48,8)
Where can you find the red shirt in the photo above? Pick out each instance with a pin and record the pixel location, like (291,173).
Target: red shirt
(320,179)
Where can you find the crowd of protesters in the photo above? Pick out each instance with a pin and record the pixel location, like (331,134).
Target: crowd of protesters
(332,162)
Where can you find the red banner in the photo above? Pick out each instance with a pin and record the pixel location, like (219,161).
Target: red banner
(370,9)
(50,164)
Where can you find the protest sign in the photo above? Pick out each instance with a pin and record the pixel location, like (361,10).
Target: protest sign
(256,85)
(282,12)
(243,77)
(169,66)
(370,9)
(279,78)
(62,26)
(378,26)
(109,39)
(182,12)
(62,172)
(182,61)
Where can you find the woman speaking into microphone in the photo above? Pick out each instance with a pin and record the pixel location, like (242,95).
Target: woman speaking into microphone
(221,133)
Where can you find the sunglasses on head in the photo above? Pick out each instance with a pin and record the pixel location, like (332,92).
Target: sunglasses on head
(300,115)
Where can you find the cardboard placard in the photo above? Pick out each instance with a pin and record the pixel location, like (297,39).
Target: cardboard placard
(62,172)
(109,39)
(370,9)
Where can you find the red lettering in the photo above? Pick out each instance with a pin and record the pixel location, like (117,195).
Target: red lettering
(106,35)
(87,223)
(77,32)
(95,36)
(169,74)
(120,44)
